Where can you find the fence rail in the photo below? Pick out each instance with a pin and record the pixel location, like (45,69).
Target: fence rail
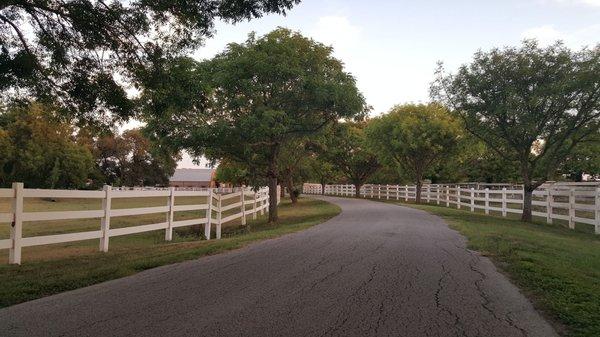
(572,203)
(250,203)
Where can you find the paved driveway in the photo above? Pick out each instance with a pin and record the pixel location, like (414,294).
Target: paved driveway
(375,270)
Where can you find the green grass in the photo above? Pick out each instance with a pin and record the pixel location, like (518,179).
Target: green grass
(558,268)
(48,270)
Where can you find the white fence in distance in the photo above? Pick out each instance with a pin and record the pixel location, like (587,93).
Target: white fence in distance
(250,204)
(572,203)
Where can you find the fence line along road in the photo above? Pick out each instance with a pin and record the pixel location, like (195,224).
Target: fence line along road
(575,203)
(250,203)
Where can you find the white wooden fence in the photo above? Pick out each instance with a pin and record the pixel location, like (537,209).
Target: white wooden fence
(572,203)
(211,212)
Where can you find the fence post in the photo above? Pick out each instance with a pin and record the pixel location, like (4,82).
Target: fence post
(428,197)
(549,201)
(218,234)
(16,229)
(387,192)
(208,223)
(170,204)
(487,201)
(472,199)
(447,195)
(504,201)
(571,209)
(278,194)
(437,193)
(105,222)
(378,191)
(243,207)
(597,210)
(263,203)
(458,197)
(406,193)
(254,215)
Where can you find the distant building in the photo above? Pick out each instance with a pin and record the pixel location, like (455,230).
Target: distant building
(202,178)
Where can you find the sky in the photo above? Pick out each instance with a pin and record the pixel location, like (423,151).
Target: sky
(392,47)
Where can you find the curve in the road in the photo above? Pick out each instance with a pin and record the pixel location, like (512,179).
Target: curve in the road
(375,270)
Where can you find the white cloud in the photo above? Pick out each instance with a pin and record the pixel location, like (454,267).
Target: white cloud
(336,31)
(547,34)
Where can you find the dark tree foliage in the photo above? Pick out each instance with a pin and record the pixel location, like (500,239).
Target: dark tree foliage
(293,166)
(346,147)
(234,174)
(584,160)
(85,54)
(131,159)
(415,138)
(38,149)
(531,105)
(261,95)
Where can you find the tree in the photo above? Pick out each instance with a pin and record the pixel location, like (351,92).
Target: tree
(292,164)
(474,161)
(479,163)
(40,150)
(131,159)
(85,54)
(6,155)
(232,173)
(389,174)
(265,93)
(584,159)
(531,105)
(346,148)
(414,137)
(322,170)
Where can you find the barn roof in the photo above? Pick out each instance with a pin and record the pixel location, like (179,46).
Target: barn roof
(186,174)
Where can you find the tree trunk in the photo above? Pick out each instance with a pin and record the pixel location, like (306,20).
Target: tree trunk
(357,190)
(527,197)
(273,199)
(418,191)
(272,182)
(282,191)
(290,186)
(323,188)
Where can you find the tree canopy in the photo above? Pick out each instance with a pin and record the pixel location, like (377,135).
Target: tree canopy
(40,150)
(531,105)
(85,54)
(414,137)
(264,93)
(583,160)
(345,146)
(131,159)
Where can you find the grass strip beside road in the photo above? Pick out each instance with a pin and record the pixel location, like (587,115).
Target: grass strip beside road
(128,255)
(558,268)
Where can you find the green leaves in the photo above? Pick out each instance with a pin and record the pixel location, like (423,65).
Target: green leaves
(345,146)
(415,137)
(40,151)
(84,54)
(532,105)
(267,92)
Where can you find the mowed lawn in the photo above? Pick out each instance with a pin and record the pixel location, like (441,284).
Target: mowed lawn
(556,267)
(51,269)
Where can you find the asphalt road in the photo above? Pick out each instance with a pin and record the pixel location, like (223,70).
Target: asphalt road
(375,270)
